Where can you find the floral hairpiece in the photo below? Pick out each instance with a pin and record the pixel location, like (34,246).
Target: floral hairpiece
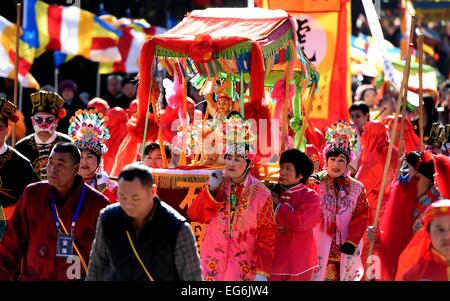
(88,131)
(341,136)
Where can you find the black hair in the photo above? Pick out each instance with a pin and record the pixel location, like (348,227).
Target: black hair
(128,80)
(152,146)
(136,170)
(413,158)
(303,165)
(97,156)
(360,105)
(335,152)
(427,169)
(69,148)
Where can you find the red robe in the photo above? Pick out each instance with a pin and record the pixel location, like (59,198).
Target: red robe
(296,215)
(30,239)
(432,267)
(375,144)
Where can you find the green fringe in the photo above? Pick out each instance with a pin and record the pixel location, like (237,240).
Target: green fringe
(233,51)
(164,52)
(272,48)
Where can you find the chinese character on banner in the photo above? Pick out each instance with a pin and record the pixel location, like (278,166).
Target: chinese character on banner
(324,35)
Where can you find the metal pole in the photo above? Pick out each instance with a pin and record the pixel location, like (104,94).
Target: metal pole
(16,71)
(98,83)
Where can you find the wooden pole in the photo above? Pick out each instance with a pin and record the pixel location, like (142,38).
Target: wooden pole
(182,160)
(310,101)
(401,142)
(420,50)
(16,71)
(285,124)
(404,86)
(147,114)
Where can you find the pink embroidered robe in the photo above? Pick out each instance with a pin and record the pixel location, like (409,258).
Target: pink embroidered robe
(248,248)
(345,217)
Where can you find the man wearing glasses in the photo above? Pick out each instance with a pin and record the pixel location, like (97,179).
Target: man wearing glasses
(47,109)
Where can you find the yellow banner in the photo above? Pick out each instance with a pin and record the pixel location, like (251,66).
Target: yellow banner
(324,35)
(317,36)
(304,6)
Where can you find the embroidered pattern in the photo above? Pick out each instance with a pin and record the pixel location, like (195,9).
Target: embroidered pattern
(211,268)
(6,157)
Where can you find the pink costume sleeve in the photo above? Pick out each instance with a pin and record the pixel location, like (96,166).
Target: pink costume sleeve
(204,207)
(304,217)
(360,219)
(266,230)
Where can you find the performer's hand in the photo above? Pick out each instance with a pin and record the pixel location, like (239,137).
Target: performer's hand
(215,179)
(347,248)
(260,277)
(372,234)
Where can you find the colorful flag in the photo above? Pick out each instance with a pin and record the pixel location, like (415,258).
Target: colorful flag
(70,30)
(134,33)
(324,30)
(8,55)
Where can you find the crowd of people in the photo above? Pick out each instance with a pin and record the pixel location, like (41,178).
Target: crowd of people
(315,222)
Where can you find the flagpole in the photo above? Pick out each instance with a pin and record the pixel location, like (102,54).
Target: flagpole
(16,71)
(56,73)
(393,136)
(20,98)
(420,53)
(98,82)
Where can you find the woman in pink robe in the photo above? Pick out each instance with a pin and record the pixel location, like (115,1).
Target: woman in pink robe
(297,212)
(238,210)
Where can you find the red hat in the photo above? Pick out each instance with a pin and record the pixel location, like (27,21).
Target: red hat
(442,168)
(99,104)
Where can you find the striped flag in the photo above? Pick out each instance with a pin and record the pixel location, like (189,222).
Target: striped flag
(8,55)
(70,30)
(134,33)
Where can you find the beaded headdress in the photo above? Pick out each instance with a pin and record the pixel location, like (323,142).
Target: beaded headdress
(238,136)
(341,137)
(88,131)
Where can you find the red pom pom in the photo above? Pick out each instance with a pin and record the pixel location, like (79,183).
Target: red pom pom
(201,50)
(62,113)
(427,156)
(14,118)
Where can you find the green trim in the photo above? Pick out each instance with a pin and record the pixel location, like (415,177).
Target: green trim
(275,46)
(231,52)
(164,52)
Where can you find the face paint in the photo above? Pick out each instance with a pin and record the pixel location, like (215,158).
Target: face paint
(406,173)
(44,123)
